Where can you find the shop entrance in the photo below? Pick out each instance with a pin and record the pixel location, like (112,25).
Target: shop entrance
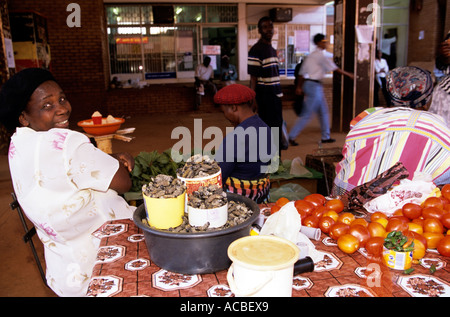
(217,42)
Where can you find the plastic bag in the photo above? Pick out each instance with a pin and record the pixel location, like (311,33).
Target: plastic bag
(408,191)
(291,191)
(287,223)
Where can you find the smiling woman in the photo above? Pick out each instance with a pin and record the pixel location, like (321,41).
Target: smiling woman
(66,186)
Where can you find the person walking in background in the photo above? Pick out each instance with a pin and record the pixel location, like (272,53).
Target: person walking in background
(265,78)
(229,73)
(381,69)
(204,75)
(313,70)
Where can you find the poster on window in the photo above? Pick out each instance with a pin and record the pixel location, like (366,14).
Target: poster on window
(211,49)
(302,41)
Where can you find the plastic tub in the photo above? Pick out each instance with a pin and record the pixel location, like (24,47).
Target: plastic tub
(194,253)
(165,213)
(263,266)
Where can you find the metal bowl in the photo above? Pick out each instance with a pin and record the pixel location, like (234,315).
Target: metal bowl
(194,253)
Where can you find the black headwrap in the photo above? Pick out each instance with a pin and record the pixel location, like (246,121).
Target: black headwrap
(16,93)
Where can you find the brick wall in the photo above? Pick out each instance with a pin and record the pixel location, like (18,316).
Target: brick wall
(78,53)
(422,53)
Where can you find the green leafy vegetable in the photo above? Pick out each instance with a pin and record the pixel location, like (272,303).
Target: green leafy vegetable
(150,164)
(396,241)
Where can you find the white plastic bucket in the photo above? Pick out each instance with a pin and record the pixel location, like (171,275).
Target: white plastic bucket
(262,266)
(216,217)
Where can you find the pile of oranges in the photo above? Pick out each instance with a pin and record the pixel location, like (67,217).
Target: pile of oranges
(426,225)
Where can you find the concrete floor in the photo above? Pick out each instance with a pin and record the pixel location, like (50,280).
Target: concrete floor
(19,274)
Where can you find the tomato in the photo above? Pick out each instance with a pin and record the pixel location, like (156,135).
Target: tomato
(361,233)
(433,225)
(432,239)
(338,229)
(445,220)
(348,243)
(419,251)
(311,221)
(376,229)
(419,238)
(415,227)
(360,221)
(316,199)
(335,204)
(443,246)
(304,208)
(274,209)
(325,223)
(331,213)
(419,221)
(411,210)
(346,217)
(445,191)
(402,218)
(319,211)
(396,224)
(374,246)
(432,212)
(282,201)
(382,221)
(433,202)
(378,214)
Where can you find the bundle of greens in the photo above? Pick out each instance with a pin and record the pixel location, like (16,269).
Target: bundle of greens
(151,164)
(396,241)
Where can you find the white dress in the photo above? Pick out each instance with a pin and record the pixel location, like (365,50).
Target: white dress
(61,181)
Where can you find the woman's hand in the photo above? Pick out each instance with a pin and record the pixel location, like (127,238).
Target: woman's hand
(125,159)
(121,181)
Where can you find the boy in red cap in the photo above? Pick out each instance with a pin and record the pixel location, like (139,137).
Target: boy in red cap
(246,153)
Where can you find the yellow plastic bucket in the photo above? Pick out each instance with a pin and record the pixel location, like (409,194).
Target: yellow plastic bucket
(165,213)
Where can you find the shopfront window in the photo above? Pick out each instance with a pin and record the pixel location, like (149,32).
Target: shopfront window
(291,41)
(165,43)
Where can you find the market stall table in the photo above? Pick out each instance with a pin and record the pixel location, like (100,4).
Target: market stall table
(124,269)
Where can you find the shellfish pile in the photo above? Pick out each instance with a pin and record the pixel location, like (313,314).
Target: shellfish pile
(238,212)
(198,166)
(208,197)
(164,186)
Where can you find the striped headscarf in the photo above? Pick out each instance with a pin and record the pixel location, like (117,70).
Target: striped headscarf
(409,86)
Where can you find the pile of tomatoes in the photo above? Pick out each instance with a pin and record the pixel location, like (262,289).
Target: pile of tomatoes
(427,224)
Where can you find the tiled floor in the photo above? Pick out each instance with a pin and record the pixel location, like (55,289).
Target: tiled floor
(19,274)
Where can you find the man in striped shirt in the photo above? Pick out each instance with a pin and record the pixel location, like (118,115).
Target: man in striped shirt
(265,78)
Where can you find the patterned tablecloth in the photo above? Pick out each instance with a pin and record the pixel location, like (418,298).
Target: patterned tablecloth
(124,269)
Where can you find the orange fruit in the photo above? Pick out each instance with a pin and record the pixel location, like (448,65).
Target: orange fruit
(282,201)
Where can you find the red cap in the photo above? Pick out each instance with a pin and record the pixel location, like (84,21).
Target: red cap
(234,94)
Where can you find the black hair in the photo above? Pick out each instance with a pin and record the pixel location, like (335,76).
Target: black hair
(262,20)
(318,37)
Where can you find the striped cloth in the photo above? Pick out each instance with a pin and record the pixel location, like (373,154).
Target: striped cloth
(263,64)
(257,190)
(381,137)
